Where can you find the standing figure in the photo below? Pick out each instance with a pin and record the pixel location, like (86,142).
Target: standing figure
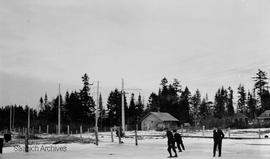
(171,144)
(218,135)
(179,141)
(1,142)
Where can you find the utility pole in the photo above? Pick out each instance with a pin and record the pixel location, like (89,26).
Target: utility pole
(123,107)
(59,112)
(123,104)
(27,131)
(13,115)
(97,114)
(10,117)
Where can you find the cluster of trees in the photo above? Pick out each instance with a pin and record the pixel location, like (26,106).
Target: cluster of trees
(196,110)
(20,115)
(78,107)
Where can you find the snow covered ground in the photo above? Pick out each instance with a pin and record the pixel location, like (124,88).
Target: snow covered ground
(148,148)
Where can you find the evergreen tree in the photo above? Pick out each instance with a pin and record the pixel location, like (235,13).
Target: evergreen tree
(230,109)
(265,100)
(260,85)
(139,109)
(164,82)
(132,111)
(251,105)
(163,96)
(100,103)
(87,101)
(220,103)
(53,115)
(241,104)
(102,112)
(74,108)
(168,98)
(114,105)
(176,85)
(153,103)
(67,97)
(45,100)
(195,104)
(184,106)
(203,111)
(41,104)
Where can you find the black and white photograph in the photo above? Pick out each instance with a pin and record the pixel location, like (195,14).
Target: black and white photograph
(134,79)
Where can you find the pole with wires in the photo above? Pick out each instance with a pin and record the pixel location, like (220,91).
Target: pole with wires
(97,114)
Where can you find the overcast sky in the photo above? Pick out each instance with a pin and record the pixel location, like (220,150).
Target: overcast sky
(205,44)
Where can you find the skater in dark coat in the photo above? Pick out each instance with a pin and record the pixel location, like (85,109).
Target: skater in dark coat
(179,141)
(171,143)
(218,135)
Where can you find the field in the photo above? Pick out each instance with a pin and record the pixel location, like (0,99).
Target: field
(151,144)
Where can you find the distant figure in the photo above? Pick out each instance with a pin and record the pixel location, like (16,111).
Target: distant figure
(179,141)
(218,135)
(171,144)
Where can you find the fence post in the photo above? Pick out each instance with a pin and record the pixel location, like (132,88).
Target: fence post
(96,134)
(259,133)
(68,129)
(47,129)
(136,137)
(203,130)
(119,134)
(81,132)
(112,134)
(182,129)
(229,132)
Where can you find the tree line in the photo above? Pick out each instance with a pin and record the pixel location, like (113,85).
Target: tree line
(78,107)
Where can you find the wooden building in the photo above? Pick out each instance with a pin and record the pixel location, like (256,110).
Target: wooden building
(264,118)
(159,121)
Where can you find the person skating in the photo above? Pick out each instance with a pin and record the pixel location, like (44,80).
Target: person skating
(218,135)
(179,141)
(171,143)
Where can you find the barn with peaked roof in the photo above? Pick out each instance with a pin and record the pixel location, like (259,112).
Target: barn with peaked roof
(158,121)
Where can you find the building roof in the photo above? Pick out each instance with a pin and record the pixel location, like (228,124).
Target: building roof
(162,116)
(265,114)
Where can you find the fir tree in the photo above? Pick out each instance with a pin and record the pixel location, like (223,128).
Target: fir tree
(132,111)
(114,105)
(195,104)
(139,109)
(241,104)
(251,105)
(153,103)
(220,103)
(230,109)
(88,105)
(260,85)
(203,111)
(184,106)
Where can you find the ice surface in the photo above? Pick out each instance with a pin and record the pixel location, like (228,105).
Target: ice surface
(154,148)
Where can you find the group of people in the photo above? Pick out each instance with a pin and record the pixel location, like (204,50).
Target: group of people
(174,137)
